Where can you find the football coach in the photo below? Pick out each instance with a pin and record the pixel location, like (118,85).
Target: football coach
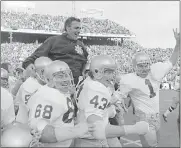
(65,47)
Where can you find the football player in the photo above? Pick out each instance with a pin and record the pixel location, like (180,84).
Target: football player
(4,78)
(7,107)
(175,102)
(51,110)
(94,99)
(143,88)
(30,86)
(21,77)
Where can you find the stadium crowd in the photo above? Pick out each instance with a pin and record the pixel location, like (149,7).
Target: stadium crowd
(15,53)
(21,20)
(30,91)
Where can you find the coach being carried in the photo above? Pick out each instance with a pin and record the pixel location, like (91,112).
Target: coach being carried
(65,47)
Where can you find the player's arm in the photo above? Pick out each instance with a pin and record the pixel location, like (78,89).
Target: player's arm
(23,113)
(111,131)
(161,69)
(7,111)
(174,57)
(18,97)
(8,115)
(51,134)
(57,133)
(14,91)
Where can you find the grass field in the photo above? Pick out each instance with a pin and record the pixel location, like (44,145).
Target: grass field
(168,132)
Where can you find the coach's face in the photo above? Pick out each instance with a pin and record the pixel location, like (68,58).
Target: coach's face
(73,30)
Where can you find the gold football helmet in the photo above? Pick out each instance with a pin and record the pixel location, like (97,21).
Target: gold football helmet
(103,69)
(18,135)
(141,64)
(40,64)
(59,76)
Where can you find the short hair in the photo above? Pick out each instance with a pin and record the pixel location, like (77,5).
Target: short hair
(69,21)
(5,66)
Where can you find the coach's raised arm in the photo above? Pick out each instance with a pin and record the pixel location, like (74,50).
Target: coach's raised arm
(65,47)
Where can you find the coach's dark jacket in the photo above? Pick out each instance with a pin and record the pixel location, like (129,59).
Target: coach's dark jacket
(64,49)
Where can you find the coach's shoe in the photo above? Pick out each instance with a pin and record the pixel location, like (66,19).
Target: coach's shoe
(164,118)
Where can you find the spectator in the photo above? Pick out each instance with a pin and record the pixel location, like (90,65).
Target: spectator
(65,47)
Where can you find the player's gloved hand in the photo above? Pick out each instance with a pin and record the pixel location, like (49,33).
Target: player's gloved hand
(111,111)
(164,118)
(142,127)
(98,131)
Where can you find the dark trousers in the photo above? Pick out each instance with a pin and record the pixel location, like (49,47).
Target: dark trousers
(76,80)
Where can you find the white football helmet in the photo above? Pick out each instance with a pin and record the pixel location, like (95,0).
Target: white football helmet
(40,64)
(103,69)
(59,76)
(141,64)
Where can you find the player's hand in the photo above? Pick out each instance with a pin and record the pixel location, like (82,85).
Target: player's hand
(164,118)
(98,131)
(111,111)
(121,108)
(116,96)
(83,128)
(176,35)
(142,127)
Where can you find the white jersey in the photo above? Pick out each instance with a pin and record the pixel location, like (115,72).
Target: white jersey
(30,86)
(93,99)
(12,81)
(7,107)
(144,92)
(52,106)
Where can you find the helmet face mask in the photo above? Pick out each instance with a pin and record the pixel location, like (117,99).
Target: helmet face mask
(60,77)
(103,69)
(109,74)
(40,75)
(142,69)
(106,76)
(142,64)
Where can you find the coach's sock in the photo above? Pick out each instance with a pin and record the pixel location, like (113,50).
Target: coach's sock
(168,111)
(140,128)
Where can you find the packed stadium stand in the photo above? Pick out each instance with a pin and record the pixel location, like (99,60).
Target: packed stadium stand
(14,52)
